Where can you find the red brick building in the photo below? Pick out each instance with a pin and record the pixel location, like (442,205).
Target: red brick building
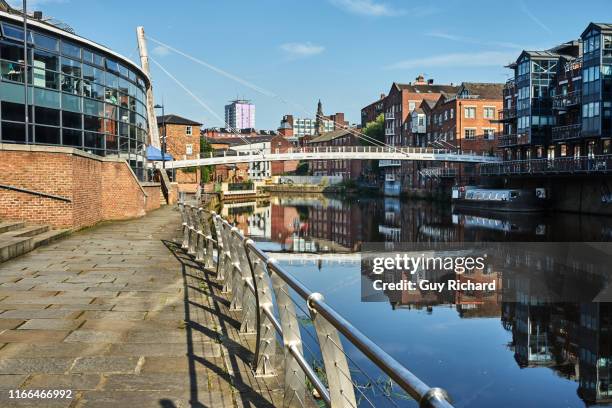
(183,143)
(371,112)
(348,169)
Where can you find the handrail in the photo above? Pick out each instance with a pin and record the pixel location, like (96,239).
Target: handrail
(36,193)
(250,277)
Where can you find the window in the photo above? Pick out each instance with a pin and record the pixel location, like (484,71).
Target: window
(470,133)
(489,133)
(470,112)
(452,113)
(489,112)
(189,149)
(188,131)
(44,41)
(71,50)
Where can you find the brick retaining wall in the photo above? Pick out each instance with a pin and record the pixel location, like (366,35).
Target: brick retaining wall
(98,188)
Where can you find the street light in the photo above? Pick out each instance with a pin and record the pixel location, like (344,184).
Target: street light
(163,146)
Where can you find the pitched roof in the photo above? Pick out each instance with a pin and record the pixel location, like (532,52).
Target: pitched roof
(327,136)
(483,90)
(176,120)
(601,26)
(426,88)
(239,141)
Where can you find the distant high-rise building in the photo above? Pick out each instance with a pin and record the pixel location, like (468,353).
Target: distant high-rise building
(240,114)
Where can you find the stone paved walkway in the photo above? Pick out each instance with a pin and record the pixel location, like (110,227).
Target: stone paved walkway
(121,317)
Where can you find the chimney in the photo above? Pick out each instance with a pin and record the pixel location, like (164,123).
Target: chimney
(430,81)
(420,80)
(38,15)
(382,96)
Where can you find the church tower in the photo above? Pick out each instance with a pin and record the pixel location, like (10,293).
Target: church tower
(319,125)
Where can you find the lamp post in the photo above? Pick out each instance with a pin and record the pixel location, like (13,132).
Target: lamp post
(25,70)
(163,145)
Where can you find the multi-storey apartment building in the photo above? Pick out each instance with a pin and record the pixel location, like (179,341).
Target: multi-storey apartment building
(240,114)
(401,100)
(348,169)
(371,112)
(559,104)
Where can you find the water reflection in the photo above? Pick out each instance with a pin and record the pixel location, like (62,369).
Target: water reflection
(546,324)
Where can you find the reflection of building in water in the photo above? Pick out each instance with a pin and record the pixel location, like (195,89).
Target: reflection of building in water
(251,217)
(339,223)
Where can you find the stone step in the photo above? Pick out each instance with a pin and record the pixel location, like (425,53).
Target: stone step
(24,238)
(49,236)
(27,231)
(10,225)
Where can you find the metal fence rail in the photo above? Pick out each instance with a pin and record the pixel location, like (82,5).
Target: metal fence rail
(259,288)
(559,165)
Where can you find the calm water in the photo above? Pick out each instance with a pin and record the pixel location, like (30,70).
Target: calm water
(491,353)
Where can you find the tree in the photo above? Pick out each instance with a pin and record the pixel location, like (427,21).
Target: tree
(375,130)
(205,149)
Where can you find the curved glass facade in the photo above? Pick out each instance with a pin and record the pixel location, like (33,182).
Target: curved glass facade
(79,95)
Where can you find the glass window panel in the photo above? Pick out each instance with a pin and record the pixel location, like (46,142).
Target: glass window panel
(98,60)
(112,142)
(44,41)
(112,81)
(132,75)
(123,100)
(71,85)
(124,144)
(11,52)
(47,135)
(45,79)
(91,107)
(13,132)
(11,71)
(94,140)
(12,31)
(71,50)
(123,129)
(71,67)
(47,116)
(47,98)
(13,92)
(112,65)
(72,137)
(110,96)
(97,92)
(45,60)
(72,120)
(93,123)
(110,126)
(88,56)
(124,115)
(13,111)
(123,70)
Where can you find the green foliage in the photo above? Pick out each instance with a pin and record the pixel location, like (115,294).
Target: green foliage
(206,172)
(375,130)
(302,168)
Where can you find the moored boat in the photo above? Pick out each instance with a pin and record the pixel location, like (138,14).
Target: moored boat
(511,199)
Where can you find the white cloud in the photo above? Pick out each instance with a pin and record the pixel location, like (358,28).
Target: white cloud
(302,50)
(476,59)
(533,18)
(161,51)
(367,8)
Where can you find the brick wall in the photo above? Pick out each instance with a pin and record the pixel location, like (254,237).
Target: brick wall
(98,188)
(177,141)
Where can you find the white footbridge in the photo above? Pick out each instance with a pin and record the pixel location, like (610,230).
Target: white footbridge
(333,153)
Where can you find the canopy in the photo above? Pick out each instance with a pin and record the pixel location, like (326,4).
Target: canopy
(154,154)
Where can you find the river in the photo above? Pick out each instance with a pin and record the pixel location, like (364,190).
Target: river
(487,353)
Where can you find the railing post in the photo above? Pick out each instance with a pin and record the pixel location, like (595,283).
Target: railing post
(341,389)
(263,358)
(295,379)
(236,275)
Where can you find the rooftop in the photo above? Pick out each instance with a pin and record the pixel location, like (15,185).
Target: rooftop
(327,136)
(176,120)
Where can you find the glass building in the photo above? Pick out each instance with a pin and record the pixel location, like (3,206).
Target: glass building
(80,94)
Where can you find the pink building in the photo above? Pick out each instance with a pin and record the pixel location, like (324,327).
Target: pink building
(240,114)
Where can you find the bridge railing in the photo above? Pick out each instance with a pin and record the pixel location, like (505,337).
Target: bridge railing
(260,289)
(559,165)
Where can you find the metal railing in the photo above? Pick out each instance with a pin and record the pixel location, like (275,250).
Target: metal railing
(567,100)
(566,132)
(507,140)
(560,165)
(438,172)
(36,193)
(260,288)
(508,113)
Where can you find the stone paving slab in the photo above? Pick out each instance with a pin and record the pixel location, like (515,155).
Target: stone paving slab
(105,313)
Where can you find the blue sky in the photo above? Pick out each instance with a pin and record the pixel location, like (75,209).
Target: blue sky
(345,52)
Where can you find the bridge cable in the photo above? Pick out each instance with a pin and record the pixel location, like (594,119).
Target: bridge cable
(201,102)
(268,93)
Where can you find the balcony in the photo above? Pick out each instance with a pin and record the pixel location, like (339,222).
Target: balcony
(562,102)
(389,115)
(561,165)
(507,140)
(560,133)
(389,163)
(508,113)
(389,131)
